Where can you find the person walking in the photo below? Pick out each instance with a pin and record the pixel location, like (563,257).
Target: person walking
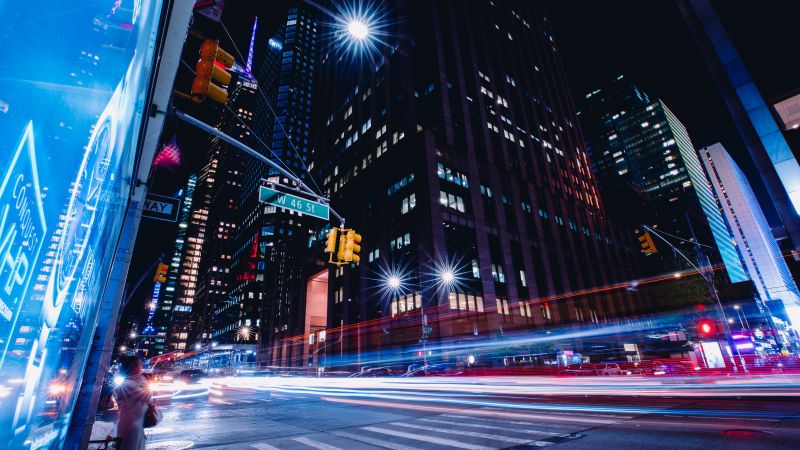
(133,399)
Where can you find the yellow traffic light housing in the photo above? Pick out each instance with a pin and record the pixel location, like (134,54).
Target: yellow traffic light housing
(352,247)
(340,255)
(647,244)
(212,65)
(161,273)
(348,248)
(330,245)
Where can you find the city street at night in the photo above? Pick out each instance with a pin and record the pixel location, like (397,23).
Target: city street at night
(399,224)
(481,413)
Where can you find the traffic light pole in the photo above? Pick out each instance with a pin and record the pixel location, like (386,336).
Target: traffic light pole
(712,290)
(241,146)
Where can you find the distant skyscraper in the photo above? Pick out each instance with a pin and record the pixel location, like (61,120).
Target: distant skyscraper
(760,133)
(157,328)
(270,242)
(750,231)
(218,314)
(454,149)
(638,142)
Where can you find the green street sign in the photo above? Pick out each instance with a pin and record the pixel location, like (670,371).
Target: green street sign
(293,202)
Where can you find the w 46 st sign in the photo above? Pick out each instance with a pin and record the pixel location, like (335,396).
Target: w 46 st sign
(293,202)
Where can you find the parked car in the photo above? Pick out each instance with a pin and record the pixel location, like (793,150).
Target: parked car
(579,370)
(608,369)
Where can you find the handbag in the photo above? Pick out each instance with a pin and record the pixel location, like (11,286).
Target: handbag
(152,416)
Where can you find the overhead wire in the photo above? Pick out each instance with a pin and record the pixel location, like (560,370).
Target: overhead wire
(272,111)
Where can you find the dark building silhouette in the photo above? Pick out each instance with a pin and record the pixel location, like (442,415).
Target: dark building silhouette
(454,148)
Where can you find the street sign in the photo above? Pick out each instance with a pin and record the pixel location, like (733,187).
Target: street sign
(161,208)
(293,202)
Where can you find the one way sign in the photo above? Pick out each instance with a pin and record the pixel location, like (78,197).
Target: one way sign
(161,208)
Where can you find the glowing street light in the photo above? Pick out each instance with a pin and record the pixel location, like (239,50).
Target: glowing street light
(357,29)
(133,335)
(394,282)
(244,332)
(447,276)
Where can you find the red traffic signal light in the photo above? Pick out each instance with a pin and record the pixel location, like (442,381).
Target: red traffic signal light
(705,327)
(161,273)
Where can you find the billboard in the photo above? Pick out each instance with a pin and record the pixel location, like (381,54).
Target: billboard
(73,91)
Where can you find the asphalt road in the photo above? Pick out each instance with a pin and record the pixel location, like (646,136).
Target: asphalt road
(304,415)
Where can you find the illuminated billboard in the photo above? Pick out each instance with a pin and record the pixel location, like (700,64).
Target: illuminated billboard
(75,82)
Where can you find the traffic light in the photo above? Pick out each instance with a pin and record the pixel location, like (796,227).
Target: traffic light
(161,273)
(352,249)
(342,243)
(212,65)
(647,244)
(706,327)
(330,246)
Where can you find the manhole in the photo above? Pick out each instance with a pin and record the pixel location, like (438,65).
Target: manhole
(746,433)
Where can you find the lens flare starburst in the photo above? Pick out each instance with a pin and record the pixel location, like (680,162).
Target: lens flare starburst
(358,29)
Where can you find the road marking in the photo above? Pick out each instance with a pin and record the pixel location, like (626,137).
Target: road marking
(428,439)
(262,446)
(464,433)
(491,427)
(550,418)
(369,440)
(315,444)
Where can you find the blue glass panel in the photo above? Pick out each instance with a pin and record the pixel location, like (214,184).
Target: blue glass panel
(76,75)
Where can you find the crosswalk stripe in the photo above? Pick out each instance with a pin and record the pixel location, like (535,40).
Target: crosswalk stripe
(315,444)
(464,433)
(491,427)
(546,418)
(262,446)
(428,439)
(369,440)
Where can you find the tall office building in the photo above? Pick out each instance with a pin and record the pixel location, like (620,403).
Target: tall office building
(760,133)
(638,144)
(454,149)
(750,231)
(218,313)
(162,298)
(270,242)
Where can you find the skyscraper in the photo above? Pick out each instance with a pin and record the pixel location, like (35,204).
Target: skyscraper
(638,143)
(750,231)
(454,149)
(270,242)
(156,329)
(220,313)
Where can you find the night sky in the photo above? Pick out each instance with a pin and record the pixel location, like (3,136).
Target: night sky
(647,41)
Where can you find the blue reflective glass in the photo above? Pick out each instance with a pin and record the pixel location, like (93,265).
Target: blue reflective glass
(76,76)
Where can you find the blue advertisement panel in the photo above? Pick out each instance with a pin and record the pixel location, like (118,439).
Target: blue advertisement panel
(75,77)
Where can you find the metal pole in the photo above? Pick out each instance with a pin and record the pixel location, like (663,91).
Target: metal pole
(232,141)
(710,283)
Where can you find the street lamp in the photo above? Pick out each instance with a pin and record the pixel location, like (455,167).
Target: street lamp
(357,29)
(394,282)
(447,277)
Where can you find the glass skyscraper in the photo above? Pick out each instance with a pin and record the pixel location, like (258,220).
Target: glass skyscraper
(749,230)
(638,144)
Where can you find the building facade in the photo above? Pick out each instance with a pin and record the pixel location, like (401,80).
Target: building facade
(455,151)
(220,312)
(749,230)
(638,145)
(267,258)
